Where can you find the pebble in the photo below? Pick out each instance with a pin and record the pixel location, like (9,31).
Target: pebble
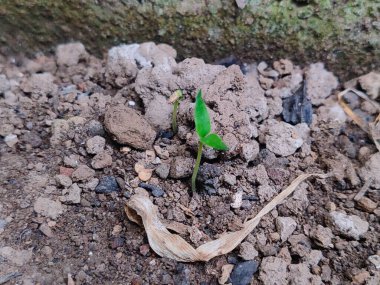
(82,173)
(229,179)
(145,174)
(285,226)
(72,195)
(360,278)
(163,170)
(95,144)
(17,257)
(162,153)
(237,200)
(11,140)
(46,230)
(101,160)
(144,249)
(367,204)
(247,251)
(107,184)
(71,160)
(181,167)
(375,260)
(350,226)
(63,180)
(242,273)
(273,270)
(322,236)
(48,208)
(156,191)
(95,128)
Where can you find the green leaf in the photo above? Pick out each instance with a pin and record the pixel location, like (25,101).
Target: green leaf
(214,141)
(201,117)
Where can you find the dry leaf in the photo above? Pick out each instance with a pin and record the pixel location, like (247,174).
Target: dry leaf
(226,272)
(140,209)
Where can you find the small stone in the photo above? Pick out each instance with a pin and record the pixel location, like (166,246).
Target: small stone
(248,251)
(17,257)
(265,193)
(117,242)
(71,160)
(65,171)
(48,208)
(82,173)
(144,249)
(237,200)
(275,236)
(145,174)
(156,191)
(73,196)
(95,144)
(350,226)
(229,179)
(116,230)
(32,138)
(101,160)
(181,167)
(322,236)
(273,271)
(367,204)
(330,206)
(242,273)
(70,54)
(299,274)
(285,226)
(40,84)
(360,278)
(63,180)
(129,127)
(107,184)
(250,151)
(375,260)
(162,153)
(163,170)
(125,149)
(95,128)
(11,140)
(314,257)
(46,230)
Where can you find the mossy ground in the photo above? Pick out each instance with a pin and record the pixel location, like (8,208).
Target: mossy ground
(344,35)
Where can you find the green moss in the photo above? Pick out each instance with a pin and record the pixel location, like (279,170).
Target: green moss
(319,30)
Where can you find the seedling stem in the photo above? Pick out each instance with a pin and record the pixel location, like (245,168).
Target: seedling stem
(196,167)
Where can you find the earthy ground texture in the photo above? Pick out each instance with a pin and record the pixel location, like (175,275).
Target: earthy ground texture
(80,136)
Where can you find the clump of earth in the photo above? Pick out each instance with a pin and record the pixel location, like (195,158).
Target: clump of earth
(80,135)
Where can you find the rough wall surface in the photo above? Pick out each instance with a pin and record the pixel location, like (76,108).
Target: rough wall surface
(344,34)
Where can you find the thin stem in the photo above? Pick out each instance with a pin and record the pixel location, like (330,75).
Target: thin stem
(174,117)
(196,167)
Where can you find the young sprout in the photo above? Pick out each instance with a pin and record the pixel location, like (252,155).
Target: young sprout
(174,99)
(203,129)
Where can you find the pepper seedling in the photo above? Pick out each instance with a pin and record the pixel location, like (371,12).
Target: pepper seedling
(174,99)
(203,129)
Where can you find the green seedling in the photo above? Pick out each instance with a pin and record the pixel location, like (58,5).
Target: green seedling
(203,129)
(174,99)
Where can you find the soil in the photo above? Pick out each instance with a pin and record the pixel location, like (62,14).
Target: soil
(81,135)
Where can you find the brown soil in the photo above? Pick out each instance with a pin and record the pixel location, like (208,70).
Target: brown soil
(51,106)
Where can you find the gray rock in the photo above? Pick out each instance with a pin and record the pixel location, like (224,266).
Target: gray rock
(40,84)
(299,274)
(82,173)
(285,226)
(95,128)
(181,167)
(163,170)
(59,131)
(322,236)
(281,138)
(73,195)
(127,126)
(247,251)
(350,226)
(242,273)
(101,160)
(273,271)
(156,191)
(95,144)
(32,138)
(70,54)
(107,184)
(249,151)
(17,257)
(63,180)
(371,170)
(48,208)
(4,84)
